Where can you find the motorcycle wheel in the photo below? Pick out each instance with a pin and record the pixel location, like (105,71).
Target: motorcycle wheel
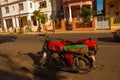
(85,64)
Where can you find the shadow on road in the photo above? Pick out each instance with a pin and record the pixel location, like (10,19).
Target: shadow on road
(7,38)
(20,68)
(10,70)
(107,39)
(47,72)
(5,75)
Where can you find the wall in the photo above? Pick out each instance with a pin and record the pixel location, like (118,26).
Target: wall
(114,26)
(14,9)
(73,24)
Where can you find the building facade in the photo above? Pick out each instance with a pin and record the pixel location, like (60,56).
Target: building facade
(72,7)
(0,19)
(18,14)
(112,7)
(77,15)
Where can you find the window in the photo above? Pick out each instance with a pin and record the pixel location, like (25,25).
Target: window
(21,6)
(13,8)
(34,21)
(30,5)
(7,9)
(111,5)
(43,4)
(5,0)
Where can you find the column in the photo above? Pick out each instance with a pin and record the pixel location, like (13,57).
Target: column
(64,13)
(70,13)
(29,20)
(80,11)
(14,23)
(17,24)
(4,24)
(17,21)
(91,12)
(28,17)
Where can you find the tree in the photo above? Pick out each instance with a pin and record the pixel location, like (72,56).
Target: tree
(40,17)
(86,13)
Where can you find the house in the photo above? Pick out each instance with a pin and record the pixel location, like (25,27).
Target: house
(72,7)
(17,14)
(73,13)
(0,19)
(112,9)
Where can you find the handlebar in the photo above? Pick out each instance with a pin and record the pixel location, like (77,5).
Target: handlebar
(43,35)
(48,39)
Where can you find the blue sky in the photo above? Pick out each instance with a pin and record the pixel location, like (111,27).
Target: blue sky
(99,5)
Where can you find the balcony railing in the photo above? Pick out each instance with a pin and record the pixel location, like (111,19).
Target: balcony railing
(75,0)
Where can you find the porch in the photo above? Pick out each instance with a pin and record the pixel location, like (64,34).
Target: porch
(77,16)
(74,25)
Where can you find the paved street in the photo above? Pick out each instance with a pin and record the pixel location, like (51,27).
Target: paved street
(14,65)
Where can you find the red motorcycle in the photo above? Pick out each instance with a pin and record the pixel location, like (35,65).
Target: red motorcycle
(66,55)
(92,47)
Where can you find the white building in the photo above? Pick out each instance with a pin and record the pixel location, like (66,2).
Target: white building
(18,14)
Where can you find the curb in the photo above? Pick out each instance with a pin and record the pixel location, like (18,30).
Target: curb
(65,32)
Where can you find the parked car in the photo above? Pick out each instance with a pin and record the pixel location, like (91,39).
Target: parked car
(116,34)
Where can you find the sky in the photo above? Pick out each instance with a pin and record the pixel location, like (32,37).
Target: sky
(99,5)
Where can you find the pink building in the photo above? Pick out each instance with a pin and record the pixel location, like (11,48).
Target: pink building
(72,10)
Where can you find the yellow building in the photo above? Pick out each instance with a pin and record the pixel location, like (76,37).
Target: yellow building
(112,9)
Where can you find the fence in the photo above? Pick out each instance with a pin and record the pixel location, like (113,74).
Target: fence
(103,23)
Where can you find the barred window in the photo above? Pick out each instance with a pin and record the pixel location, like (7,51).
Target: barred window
(30,5)
(5,0)
(7,9)
(21,6)
(43,4)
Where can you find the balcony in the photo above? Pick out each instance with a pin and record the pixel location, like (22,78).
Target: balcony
(8,2)
(76,0)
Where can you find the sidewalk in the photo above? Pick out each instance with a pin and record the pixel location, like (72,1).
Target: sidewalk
(50,32)
(97,31)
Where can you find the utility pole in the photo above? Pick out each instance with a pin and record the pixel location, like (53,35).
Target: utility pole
(53,2)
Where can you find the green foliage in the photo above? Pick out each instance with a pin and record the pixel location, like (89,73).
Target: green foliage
(43,18)
(85,12)
(57,24)
(57,21)
(38,15)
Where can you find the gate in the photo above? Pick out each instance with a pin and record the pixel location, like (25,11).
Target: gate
(103,23)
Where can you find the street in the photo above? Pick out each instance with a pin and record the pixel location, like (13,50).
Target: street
(18,53)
